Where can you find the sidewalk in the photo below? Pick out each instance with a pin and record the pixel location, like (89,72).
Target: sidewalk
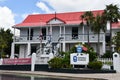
(109,76)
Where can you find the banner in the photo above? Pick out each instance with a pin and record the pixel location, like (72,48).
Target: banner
(20,61)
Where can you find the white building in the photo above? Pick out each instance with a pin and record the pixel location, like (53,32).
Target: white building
(58,25)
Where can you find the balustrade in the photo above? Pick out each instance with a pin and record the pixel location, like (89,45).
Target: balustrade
(68,37)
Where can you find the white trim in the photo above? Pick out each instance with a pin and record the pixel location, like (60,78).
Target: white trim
(55,21)
(29,50)
(29,33)
(12,51)
(60,30)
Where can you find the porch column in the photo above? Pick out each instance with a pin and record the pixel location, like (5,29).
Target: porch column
(103,45)
(60,31)
(64,33)
(12,50)
(51,38)
(60,36)
(64,44)
(14,36)
(47,31)
(29,49)
(51,30)
(64,47)
(29,34)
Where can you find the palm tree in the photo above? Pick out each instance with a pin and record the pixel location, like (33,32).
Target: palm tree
(111,14)
(98,25)
(88,17)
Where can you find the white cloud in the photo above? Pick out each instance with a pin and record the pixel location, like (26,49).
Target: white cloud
(26,14)
(79,5)
(35,13)
(43,7)
(6,17)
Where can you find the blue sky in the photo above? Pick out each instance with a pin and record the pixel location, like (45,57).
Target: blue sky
(15,11)
(21,8)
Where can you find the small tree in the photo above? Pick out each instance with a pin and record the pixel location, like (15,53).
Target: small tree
(5,41)
(98,25)
(116,41)
(88,18)
(111,14)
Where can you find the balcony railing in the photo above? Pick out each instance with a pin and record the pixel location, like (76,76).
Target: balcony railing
(81,37)
(67,37)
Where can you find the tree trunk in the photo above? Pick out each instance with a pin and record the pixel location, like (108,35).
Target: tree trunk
(111,39)
(98,44)
(88,36)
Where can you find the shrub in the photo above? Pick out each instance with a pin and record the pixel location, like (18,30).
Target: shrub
(95,65)
(92,54)
(55,62)
(107,55)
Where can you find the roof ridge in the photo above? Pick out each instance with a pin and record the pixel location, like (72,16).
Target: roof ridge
(66,12)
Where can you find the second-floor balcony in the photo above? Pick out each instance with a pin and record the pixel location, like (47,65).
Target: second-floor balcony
(66,37)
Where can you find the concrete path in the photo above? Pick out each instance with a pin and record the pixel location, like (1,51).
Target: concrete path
(108,76)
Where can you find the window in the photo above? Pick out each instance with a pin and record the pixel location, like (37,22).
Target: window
(74,32)
(33,49)
(44,33)
(31,34)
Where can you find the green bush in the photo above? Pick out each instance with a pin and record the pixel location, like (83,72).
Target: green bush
(107,55)
(95,65)
(55,62)
(92,54)
(63,60)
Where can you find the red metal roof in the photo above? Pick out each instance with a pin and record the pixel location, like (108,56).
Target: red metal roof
(116,25)
(43,19)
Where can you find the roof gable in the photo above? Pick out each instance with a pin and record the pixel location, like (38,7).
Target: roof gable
(55,20)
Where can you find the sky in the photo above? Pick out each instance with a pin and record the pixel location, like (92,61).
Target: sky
(15,11)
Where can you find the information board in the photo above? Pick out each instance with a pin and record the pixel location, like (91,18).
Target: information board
(79,59)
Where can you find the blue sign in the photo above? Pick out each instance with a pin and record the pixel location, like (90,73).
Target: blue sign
(79,49)
(75,58)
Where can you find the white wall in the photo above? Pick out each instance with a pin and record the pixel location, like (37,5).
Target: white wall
(23,51)
(23,32)
(55,33)
(36,31)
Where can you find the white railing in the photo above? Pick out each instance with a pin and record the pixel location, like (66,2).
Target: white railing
(107,61)
(67,37)
(42,60)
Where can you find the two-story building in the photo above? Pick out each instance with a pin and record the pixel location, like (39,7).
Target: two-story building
(36,29)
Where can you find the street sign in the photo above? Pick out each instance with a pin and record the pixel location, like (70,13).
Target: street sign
(79,49)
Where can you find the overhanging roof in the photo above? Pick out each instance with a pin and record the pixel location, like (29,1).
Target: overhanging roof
(42,19)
